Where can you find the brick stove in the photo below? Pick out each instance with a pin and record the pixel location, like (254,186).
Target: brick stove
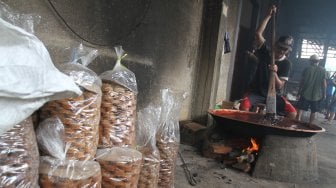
(286,151)
(287,159)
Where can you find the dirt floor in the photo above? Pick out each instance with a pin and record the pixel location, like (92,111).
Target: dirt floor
(209,173)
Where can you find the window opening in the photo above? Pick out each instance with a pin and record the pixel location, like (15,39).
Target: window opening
(310,47)
(330,64)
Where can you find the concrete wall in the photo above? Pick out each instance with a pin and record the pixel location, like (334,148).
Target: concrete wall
(246,20)
(161,38)
(231,19)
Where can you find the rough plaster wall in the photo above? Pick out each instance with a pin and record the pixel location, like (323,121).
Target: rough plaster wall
(160,38)
(47,30)
(175,40)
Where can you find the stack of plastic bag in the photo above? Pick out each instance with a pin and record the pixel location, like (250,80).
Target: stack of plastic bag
(55,170)
(120,166)
(168,135)
(118,109)
(19,156)
(147,125)
(80,115)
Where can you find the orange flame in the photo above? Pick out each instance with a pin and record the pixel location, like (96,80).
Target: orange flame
(254,147)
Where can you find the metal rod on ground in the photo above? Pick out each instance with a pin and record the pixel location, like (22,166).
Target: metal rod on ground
(190,177)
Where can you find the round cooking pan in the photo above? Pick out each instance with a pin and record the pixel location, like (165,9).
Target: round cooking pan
(255,124)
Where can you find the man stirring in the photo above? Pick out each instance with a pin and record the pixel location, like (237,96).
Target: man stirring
(258,89)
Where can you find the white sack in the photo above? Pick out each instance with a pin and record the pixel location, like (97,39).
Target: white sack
(28,77)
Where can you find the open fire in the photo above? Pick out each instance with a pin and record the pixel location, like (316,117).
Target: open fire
(248,153)
(247,157)
(254,147)
(232,150)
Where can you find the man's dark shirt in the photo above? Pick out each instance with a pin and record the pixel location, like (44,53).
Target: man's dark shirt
(260,82)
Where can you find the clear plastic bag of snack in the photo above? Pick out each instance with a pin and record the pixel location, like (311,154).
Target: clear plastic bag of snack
(120,74)
(118,109)
(168,135)
(69,173)
(55,170)
(77,68)
(120,166)
(25,21)
(147,124)
(80,115)
(19,156)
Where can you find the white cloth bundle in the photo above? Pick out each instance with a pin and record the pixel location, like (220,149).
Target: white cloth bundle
(28,77)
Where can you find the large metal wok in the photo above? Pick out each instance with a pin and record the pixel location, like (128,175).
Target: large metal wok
(254,124)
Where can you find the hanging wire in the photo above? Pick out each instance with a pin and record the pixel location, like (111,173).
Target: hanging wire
(95,43)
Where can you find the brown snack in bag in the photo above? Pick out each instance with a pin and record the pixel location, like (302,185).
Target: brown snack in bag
(118,111)
(19,156)
(120,167)
(69,173)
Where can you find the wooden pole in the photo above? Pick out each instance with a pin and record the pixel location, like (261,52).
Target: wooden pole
(271,94)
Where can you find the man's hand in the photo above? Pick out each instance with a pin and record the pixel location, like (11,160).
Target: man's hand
(259,38)
(272,10)
(273,68)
